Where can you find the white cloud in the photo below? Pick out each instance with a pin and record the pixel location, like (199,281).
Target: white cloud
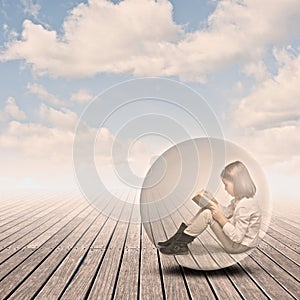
(64,118)
(258,70)
(51,140)
(31,8)
(37,141)
(267,121)
(12,111)
(43,94)
(35,154)
(81,96)
(274,101)
(98,37)
(41,153)
(274,146)
(144,40)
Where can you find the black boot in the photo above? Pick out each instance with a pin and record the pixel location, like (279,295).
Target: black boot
(166,243)
(179,245)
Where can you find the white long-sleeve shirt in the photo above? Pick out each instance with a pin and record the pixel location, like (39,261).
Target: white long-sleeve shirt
(244,221)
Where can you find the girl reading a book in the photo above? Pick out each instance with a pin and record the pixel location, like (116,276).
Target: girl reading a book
(236,226)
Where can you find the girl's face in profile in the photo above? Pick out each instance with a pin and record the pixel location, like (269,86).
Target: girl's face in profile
(228,185)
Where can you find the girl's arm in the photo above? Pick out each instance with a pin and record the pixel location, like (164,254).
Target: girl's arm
(228,210)
(237,232)
(218,215)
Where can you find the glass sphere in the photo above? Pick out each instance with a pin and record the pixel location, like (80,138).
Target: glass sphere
(172,181)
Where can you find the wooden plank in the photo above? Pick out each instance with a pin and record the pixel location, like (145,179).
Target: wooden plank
(41,234)
(66,214)
(288,220)
(12,203)
(128,277)
(222,286)
(172,273)
(106,279)
(150,273)
(239,280)
(247,288)
(292,244)
(68,268)
(16,208)
(286,233)
(283,249)
(9,201)
(27,219)
(290,216)
(104,283)
(83,280)
(137,269)
(80,284)
(37,279)
(17,232)
(286,225)
(173,277)
(10,282)
(58,223)
(9,220)
(264,280)
(20,202)
(198,284)
(174,281)
(280,259)
(63,274)
(282,277)
(151,277)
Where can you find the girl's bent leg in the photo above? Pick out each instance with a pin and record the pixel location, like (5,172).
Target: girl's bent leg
(228,244)
(199,223)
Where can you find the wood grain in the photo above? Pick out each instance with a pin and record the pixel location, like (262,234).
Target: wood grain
(58,246)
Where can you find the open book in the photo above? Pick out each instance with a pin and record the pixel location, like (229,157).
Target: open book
(203,198)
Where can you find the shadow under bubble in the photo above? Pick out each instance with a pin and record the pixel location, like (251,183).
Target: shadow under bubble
(232,270)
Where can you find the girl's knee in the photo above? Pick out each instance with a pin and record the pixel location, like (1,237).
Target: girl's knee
(208,215)
(205,217)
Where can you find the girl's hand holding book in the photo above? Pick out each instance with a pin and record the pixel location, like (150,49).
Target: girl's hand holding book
(217,214)
(204,199)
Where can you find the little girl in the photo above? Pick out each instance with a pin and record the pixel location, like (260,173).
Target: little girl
(236,226)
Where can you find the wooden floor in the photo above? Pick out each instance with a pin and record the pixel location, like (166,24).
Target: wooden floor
(60,247)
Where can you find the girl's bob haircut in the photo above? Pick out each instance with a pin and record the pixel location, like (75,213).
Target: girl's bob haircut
(237,173)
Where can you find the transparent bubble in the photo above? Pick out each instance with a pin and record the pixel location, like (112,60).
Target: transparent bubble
(123,131)
(188,167)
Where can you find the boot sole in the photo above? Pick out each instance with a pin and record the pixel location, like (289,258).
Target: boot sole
(162,246)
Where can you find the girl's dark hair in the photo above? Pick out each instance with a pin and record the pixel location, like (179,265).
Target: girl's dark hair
(237,173)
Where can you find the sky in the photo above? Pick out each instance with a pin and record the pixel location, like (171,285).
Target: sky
(243,57)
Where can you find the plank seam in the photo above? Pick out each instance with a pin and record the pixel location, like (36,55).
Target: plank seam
(19,249)
(102,258)
(46,241)
(83,257)
(36,267)
(273,277)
